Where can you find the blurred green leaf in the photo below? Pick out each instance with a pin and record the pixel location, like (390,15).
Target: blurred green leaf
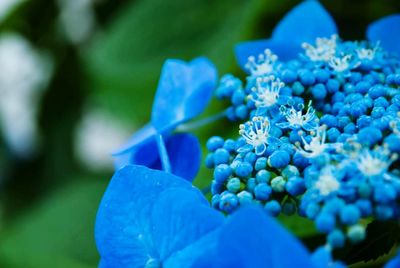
(59,232)
(124,62)
(381,237)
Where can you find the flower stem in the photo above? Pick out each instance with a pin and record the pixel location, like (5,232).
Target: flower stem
(199,123)
(163,153)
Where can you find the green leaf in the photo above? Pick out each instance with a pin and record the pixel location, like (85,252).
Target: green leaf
(381,237)
(124,62)
(56,233)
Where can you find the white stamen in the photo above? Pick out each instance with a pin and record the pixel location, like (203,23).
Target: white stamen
(341,64)
(295,118)
(266,91)
(372,163)
(263,65)
(316,146)
(256,131)
(367,53)
(324,50)
(327,183)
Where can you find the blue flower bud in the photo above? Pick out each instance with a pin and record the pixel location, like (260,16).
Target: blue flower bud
(319,91)
(214,143)
(321,75)
(325,222)
(312,210)
(332,85)
(278,184)
(300,161)
(228,202)
(279,159)
(333,134)
(343,121)
(290,171)
(288,76)
(369,135)
(377,112)
(384,193)
(221,156)
(233,185)
(376,91)
(362,87)
(365,207)
(216,187)
(251,184)
(393,143)
(306,77)
(298,88)
(381,102)
(243,169)
(350,215)
(250,158)
(364,121)
(263,176)
(241,112)
(230,145)
(273,207)
(215,201)
(230,114)
(245,197)
(262,191)
(238,97)
(336,239)
(364,190)
(383,212)
(222,173)
(295,186)
(260,164)
(356,233)
(329,120)
(350,128)
(209,161)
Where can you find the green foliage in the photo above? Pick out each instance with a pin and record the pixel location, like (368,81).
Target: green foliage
(56,233)
(124,62)
(381,238)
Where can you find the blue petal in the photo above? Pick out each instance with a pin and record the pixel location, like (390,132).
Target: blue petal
(284,50)
(254,239)
(387,32)
(394,263)
(179,219)
(140,149)
(184,153)
(304,23)
(183,92)
(249,238)
(123,233)
(183,149)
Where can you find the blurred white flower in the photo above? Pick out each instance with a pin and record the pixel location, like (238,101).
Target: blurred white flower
(23,77)
(77,19)
(97,135)
(7,6)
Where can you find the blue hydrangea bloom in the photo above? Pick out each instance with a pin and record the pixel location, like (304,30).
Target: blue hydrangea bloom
(150,218)
(319,134)
(183,92)
(286,39)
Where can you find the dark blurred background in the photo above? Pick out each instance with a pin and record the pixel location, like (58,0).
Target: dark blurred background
(77,77)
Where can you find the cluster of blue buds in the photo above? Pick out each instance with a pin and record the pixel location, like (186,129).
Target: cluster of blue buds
(318,135)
